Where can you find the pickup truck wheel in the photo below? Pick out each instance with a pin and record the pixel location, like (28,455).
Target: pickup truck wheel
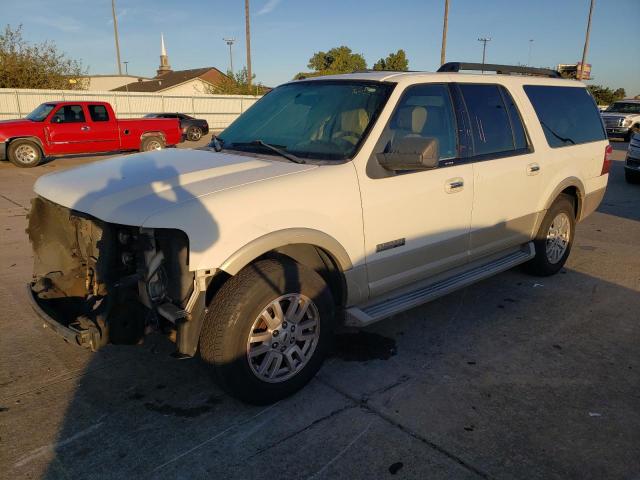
(554,239)
(194,134)
(151,143)
(24,153)
(267,330)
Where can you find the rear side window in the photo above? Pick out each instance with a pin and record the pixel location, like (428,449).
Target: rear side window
(490,122)
(98,113)
(568,115)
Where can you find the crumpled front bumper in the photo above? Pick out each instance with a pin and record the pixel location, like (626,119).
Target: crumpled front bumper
(76,334)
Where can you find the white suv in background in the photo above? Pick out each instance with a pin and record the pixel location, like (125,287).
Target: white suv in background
(342,198)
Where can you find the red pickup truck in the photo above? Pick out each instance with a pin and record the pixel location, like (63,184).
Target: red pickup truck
(63,128)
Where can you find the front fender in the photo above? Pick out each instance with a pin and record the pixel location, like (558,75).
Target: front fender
(252,250)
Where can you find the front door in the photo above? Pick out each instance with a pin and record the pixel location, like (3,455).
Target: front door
(68,130)
(416,223)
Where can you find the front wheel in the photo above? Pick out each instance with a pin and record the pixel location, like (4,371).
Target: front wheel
(24,153)
(268,330)
(554,238)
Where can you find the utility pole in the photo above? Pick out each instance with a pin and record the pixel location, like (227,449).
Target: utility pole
(484,41)
(248,40)
(586,42)
(126,68)
(115,31)
(444,32)
(230,41)
(530,48)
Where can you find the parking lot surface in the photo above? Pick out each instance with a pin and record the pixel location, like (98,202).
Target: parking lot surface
(514,377)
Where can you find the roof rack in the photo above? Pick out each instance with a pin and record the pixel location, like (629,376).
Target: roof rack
(508,69)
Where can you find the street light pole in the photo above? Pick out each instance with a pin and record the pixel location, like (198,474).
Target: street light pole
(444,32)
(248,40)
(115,31)
(530,48)
(484,41)
(230,41)
(586,42)
(126,68)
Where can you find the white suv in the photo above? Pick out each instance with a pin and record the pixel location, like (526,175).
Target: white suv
(349,197)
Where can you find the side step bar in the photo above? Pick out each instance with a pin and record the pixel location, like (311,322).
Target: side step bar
(370,313)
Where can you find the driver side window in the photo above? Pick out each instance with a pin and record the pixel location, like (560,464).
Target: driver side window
(425,111)
(69,114)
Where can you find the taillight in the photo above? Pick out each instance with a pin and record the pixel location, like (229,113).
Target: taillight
(606,164)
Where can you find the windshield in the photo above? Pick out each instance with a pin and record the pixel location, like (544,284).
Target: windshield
(40,113)
(624,107)
(323,120)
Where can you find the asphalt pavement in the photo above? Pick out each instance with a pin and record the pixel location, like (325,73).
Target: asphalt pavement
(514,377)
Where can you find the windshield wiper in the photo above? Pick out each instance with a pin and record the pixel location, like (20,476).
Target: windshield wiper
(273,148)
(562,139)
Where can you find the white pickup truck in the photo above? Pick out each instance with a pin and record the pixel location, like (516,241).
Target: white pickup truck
(344,198)
(622,119)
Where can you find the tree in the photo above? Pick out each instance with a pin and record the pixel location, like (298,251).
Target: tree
(396,62)
(237,84)
(337,60)
(42,65)
(605,95)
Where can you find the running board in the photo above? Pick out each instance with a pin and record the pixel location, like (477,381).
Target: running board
(368,314)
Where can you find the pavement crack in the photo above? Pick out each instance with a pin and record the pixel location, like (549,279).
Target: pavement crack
(451,456)
(304,429)
(14,202)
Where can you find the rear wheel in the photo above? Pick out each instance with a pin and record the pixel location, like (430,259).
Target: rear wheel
(24,153)
(268,330)
(150,144)
(554,238)
(194,133)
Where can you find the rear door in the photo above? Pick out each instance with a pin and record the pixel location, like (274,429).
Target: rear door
(68,130)
(507,176)
(103,130)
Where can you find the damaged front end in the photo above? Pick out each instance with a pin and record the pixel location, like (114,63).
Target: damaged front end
(96,282)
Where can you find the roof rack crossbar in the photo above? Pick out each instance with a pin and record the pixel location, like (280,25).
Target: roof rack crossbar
(488,67)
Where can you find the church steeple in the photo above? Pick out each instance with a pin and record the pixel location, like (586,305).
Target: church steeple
(164,59)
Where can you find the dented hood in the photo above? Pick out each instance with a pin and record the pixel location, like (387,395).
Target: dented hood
(129,189)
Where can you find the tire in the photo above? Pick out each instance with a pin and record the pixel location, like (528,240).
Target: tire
(152,143)
(25,153)
(238,310)
(194,134)
(551,255)
(631,176)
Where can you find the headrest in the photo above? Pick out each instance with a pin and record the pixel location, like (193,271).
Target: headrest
(412,118)
(354,120)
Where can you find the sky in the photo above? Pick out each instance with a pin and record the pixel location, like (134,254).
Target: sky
(285,33)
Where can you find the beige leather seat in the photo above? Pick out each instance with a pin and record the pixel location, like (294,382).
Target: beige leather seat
(410,121)
(351,125)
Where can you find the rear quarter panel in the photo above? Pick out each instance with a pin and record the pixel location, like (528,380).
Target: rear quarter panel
(132,130)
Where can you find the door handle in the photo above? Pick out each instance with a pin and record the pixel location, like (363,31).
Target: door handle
(533,169)
(85,128)
(454,185)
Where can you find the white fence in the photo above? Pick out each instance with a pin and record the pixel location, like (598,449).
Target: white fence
(218,110)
